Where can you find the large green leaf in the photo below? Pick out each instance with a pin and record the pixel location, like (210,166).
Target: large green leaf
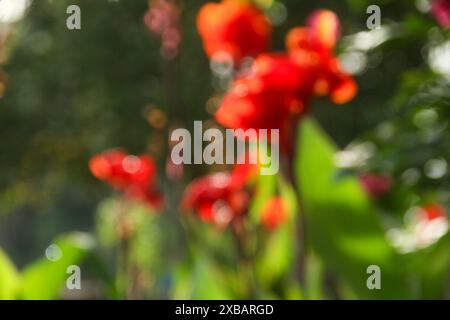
(9,278)
(341,223)
(44,279)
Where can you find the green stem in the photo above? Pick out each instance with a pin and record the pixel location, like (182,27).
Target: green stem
(300,256)
(245,261)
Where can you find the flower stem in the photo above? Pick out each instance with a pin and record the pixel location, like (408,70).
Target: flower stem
(245,261)
(301,252)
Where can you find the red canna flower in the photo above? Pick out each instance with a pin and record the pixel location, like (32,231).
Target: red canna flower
(235,27)
(272,96)
(141,170)
(108,167)
(215,198)
(278,88)
(253,104)
(273,213)
(135,176)
(220,197)
(441,11)
(311,47)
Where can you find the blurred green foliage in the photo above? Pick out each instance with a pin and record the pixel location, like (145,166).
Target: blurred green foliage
(44,279)
(71,94)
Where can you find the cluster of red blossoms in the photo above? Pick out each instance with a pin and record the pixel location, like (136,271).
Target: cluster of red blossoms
(279,86)
(224,197)
(134,176)
(273,94)
(218,198)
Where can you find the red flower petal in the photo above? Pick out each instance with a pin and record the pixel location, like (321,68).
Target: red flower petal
(324,28)
(344,90)
(235,27)
(274,213)
(434,211)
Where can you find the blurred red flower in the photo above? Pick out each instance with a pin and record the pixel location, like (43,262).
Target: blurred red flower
(433,211)
(219,197)
(235,27)
(135,176)
(376,185)
(278,88)
(441,11)
(271,96)
(273,213)
(311,47)
(108,167)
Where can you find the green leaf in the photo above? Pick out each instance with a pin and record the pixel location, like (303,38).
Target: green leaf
(203,279)
(277,254)
(44,278)
(432,267)
(9,278)
(314,277)
(341,224)
(276,259)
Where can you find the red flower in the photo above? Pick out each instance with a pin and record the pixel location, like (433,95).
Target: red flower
(237,28)
(273,213)
(141,170)
(271,96)
(441,11)
(311,47)
(263,99)
(433,211)
(219,197)
(376,185)
(108,167)
(278,88)
(133,175)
